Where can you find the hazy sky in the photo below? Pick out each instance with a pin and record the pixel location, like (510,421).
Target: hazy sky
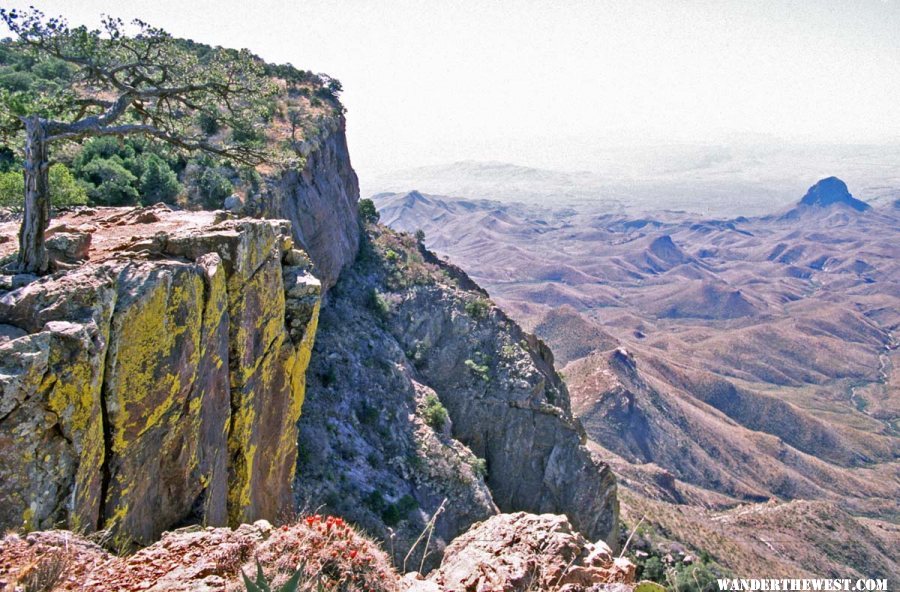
(527,81)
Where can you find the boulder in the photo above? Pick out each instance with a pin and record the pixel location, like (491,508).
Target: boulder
(233,203)
(519,552)
(69,247)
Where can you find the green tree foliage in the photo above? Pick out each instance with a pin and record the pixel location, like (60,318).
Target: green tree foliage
(213,187)
(119,81)
(110,182)
(12,190)
(65,190)
(134,169)
(158,181)
(368,214)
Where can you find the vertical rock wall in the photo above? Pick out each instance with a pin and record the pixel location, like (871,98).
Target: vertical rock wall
(158,388)
(320,201)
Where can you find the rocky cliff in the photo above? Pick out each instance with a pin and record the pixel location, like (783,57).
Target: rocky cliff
(426,399)
(159,383)
(319,200)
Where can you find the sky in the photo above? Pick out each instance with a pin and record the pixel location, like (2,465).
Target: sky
(542,82)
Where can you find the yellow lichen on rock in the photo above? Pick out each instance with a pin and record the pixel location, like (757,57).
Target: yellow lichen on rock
(75,398)
(157,391)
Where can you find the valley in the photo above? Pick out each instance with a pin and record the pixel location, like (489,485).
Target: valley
(716,363)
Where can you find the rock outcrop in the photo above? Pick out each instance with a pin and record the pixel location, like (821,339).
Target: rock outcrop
(158,386)
(520,552)
(516,553)
(195,559)
(320,201)
(831,191)
(422,391)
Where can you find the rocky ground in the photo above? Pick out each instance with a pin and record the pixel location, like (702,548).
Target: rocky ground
(510,552)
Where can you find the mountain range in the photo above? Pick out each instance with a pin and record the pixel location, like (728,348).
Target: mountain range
(726,367)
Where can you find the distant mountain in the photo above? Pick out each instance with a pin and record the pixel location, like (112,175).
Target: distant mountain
(832,191)
(712,181)
(713,361)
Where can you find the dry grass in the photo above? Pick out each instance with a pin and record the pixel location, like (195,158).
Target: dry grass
(45,573)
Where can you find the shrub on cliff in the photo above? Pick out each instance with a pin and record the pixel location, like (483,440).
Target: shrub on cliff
(367,212)
(435,413)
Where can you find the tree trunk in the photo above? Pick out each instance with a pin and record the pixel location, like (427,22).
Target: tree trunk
(32,252)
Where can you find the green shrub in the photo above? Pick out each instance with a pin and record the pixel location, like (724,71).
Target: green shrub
(379,304)
(109,182)
(654,570)
(435,413)
(158,181)
(247,133)
(64,189)
(12,189)
(367,414)
(482,371)
(478,308)
(214,187)
(368,214)
(479,465)
(208,122)
(697,578)
(394,513)
(102,149)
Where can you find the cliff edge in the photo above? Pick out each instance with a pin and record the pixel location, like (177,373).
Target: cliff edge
(158,383)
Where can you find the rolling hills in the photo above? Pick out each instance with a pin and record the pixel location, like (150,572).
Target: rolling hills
(714,362)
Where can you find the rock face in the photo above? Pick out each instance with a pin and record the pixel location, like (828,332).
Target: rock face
(519,552)
(508,406)
(320,201)
(158,387)
(403,338)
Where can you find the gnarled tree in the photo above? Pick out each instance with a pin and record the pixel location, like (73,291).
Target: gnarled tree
(125,80)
